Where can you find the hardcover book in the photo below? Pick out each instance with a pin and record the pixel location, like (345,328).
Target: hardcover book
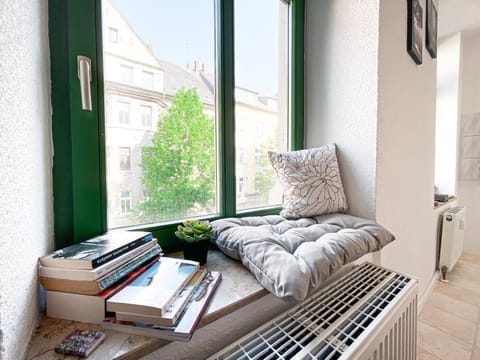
(97,273)
(154,291)
(93,287)
(88,308)
(80,343)
(95,252)
(173,311)
(184,329)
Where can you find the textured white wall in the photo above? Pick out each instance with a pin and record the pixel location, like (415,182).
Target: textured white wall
(469,191)
(365,93)
(406,148)
(25,160)
(341,91)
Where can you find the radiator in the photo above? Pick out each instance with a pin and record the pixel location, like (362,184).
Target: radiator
(370,313)
(451,239)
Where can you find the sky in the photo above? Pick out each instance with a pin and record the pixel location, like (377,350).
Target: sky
(182,31)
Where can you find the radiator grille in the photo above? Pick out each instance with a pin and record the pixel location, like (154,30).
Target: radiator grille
(328,324)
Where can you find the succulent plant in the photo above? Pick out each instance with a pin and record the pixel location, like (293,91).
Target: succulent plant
(194,230)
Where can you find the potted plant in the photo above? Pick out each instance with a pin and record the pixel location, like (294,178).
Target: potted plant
(195,236)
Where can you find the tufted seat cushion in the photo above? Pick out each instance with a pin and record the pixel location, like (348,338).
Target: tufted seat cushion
(291,258)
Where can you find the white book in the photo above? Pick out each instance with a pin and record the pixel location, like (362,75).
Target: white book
(155,290)
(174,311)
(87,308)
(185,327)
(97,273)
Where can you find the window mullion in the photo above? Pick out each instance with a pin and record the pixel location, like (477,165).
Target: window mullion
(297,74)
(225,98)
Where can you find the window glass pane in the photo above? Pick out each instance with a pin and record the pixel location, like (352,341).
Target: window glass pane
(147,79)
(113,35)
(124,157)
(159,110)
(126,73)
(146,112)
(261,98)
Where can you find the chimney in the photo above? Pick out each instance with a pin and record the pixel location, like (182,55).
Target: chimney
(196,66)
(204,68)
(150,47)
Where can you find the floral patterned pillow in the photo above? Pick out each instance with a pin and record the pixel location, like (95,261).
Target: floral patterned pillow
(311,182)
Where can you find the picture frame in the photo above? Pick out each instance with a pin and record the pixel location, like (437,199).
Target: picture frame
(415,30)
(431,29)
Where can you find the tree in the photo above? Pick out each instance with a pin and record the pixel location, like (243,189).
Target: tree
(179,166)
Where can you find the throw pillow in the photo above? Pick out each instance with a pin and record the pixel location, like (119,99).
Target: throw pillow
(311,181)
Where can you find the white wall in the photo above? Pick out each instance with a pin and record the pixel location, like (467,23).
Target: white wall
(341,91)
(469,190)
(406,148)
(26,224)
(383,121)
(448,113)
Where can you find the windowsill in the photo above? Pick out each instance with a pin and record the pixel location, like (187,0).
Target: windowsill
(442,204)
(237,289)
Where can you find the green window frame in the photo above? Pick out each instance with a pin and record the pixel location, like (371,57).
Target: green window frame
(79,175)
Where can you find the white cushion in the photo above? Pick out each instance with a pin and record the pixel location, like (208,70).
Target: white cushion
(311,182)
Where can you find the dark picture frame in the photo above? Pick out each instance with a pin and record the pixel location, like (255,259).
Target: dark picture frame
(431,29)
(415,30)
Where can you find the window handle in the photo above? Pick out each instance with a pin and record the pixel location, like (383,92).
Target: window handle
(84,67)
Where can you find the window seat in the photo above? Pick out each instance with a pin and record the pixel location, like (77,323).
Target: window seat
(237,290)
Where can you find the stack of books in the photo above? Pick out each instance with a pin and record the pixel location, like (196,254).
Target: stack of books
(167,301)
(80,278)
(122,281)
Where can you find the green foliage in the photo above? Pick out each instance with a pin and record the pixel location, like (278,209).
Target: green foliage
(194,231)
(179,167)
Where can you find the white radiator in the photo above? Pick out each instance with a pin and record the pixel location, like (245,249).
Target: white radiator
(451,239)
(370,313)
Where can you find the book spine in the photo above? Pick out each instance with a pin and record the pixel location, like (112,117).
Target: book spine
(97,273)
(168,304)
(184,302)
(120,251)
(190,319)
(127,268)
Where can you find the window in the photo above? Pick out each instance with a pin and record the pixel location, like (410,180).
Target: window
(123,113)
(243,185)
(126,74)
(242,155)
(147,78)
(125,202)
(82,195)
(113,35)
(146,113)
(124,156)
(258,158)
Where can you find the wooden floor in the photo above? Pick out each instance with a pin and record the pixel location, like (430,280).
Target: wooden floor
(449,324)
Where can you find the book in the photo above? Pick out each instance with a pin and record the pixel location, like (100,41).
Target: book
(174,311)
(184,329)
(93,287)
(80,343)
(88,308)
(95,252)
(97,273)
(154,291)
